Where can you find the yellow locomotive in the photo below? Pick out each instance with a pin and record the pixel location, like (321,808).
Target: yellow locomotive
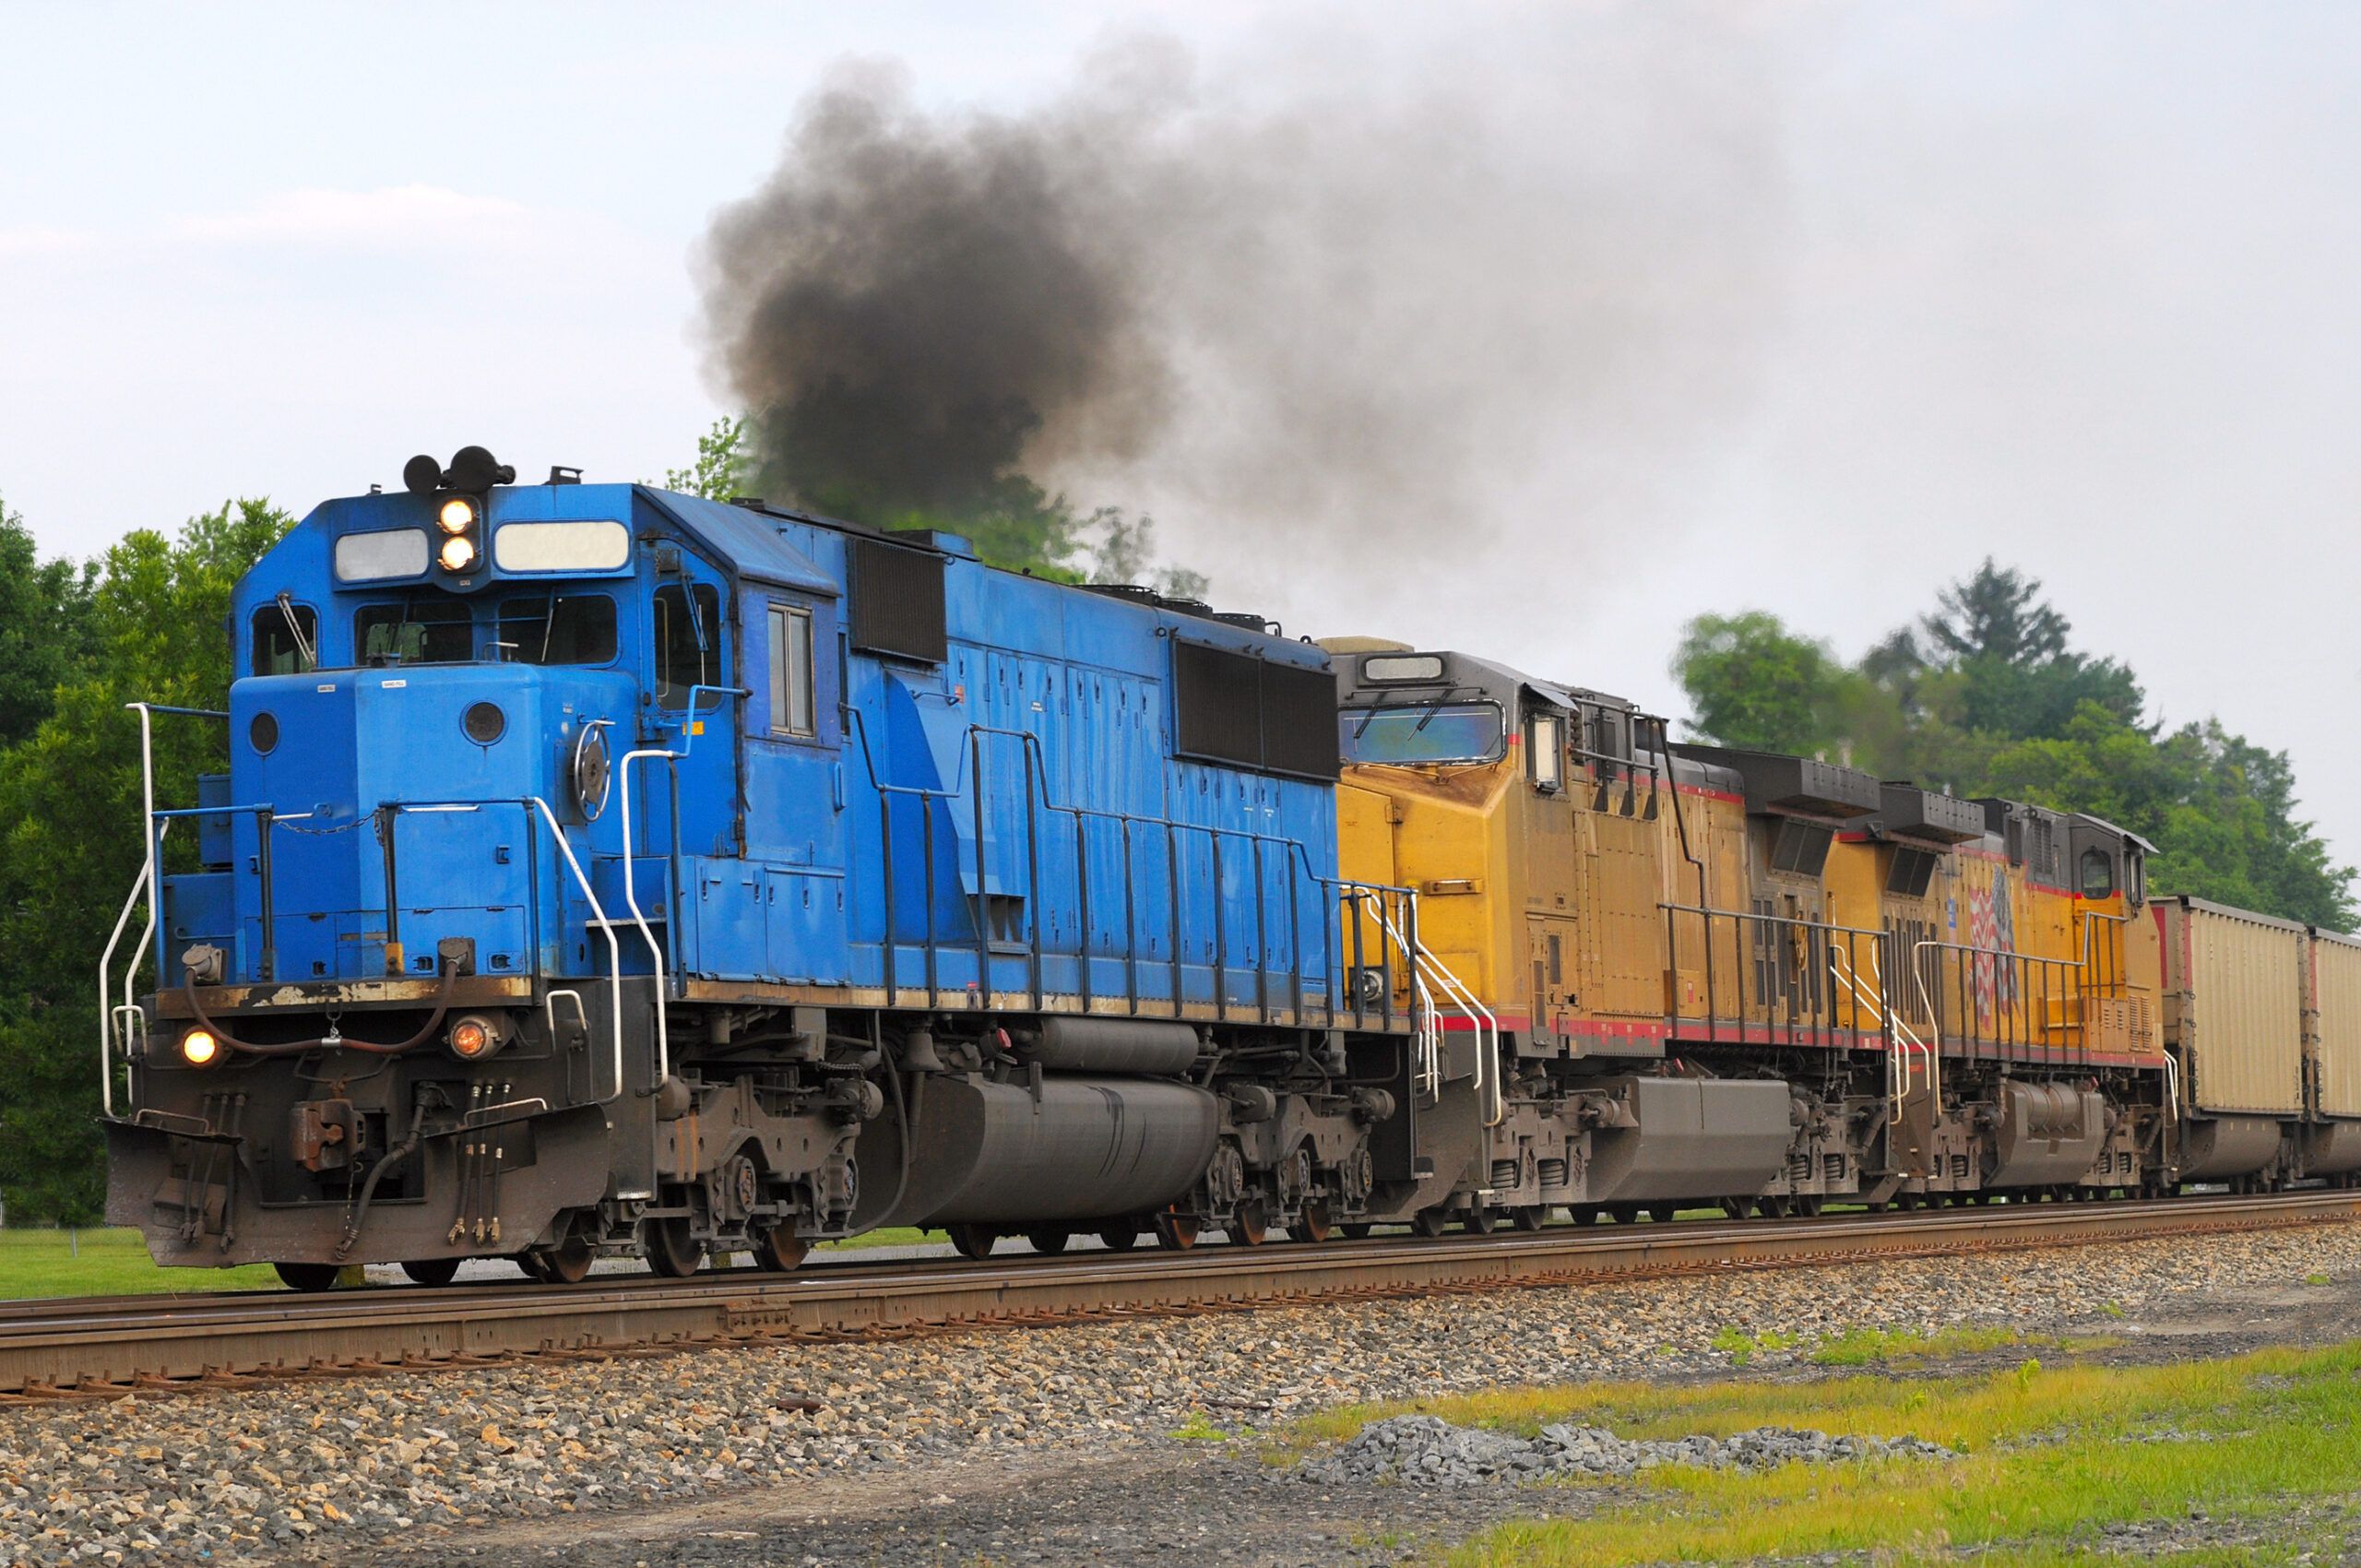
(1670,973)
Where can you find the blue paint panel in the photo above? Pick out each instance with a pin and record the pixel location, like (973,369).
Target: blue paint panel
(1019,799)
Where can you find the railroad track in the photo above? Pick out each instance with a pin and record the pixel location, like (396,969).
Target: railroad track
(106,1346)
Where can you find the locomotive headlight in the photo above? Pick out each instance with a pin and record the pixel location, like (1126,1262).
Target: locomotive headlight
(199,1048)
(458,554)
(457,516)
(473,1039)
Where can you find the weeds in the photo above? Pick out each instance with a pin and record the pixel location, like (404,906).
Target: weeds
(2050,1457)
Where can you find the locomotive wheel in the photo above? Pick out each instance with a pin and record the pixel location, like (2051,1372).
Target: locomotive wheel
(307,1276)
(1482,1220)
(1584,1214)
(1313,1224)
(1532,1217)
(781,1249)
(1250,1225)
(1356,1229)
(433,1271)
(1119,1236)
(1429,1222)
(1625,1214)
(673,1250)
(569,1262)
(1808,1205)
(972,1240)
(1176,1233)
(1048,1240)
(1662,1213)
(532,1265)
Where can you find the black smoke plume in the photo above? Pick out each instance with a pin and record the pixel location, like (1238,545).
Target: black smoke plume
(1336,289)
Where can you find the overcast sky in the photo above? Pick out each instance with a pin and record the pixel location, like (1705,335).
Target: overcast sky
(1816,304)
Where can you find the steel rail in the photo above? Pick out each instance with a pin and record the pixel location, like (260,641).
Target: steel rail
(110,1345)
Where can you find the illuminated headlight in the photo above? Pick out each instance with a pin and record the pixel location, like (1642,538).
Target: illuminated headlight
(458,554)
(199,1048)
(457,516)
(473,1039)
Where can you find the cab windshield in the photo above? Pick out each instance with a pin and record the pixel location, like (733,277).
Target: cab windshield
(1447,731)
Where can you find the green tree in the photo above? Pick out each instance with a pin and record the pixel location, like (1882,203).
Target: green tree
(824,465)
(44,628)
(1988,697)
(69,831)
(1752,682)
(1123,549)
(721,470)
(2017,676)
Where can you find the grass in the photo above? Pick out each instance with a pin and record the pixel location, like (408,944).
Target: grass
(115,1262)
(1197,1428)
(1741,1347)
(105,1263)
(2050,1454)
(891,1236)
(1875,1347)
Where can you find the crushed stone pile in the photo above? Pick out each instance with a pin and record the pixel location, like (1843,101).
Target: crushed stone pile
(1428,1451)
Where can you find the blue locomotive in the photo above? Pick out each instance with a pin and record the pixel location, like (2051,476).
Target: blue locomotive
(602,870)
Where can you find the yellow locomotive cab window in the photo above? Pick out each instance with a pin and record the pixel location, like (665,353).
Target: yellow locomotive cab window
(1545,744)
(1421,733)
(2098,874)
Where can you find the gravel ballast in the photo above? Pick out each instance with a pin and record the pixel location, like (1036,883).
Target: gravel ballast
(434,1462)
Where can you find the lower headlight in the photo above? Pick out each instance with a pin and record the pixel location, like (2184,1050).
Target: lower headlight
(458,554)
(473,1039)
(199,1048)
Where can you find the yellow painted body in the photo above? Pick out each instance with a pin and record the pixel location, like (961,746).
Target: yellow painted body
(1547,905)
(2066,975)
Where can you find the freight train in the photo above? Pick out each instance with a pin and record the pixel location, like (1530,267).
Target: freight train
(602,871)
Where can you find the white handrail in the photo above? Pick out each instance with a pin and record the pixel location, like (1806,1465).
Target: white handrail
(1918,978)
(106,960)
(1906,1040)
(147,824)
(1425,966)
(1487,1035)
(614,948)
(631,896)
(1910,1033)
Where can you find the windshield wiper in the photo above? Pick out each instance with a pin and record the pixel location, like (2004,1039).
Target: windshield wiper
(1448,693)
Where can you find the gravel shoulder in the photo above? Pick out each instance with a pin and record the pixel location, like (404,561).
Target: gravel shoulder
(1100,1444)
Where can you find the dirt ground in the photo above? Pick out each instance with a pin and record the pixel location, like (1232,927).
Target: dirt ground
(1183,1500)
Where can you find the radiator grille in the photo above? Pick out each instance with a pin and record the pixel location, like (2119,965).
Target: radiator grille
(896,602)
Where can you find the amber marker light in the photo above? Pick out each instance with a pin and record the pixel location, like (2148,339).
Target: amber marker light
(472,1038)
(199,1048)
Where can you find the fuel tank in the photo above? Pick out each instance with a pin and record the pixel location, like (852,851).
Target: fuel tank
(2045,1133)
(2216,1147)
(1009,1154)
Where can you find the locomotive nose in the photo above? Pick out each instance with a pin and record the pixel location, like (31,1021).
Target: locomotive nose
(417,778)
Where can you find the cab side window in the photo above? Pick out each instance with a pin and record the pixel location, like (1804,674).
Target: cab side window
(2098,874)
(687,642)
(791,693)
(1545,751)
(287,639)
